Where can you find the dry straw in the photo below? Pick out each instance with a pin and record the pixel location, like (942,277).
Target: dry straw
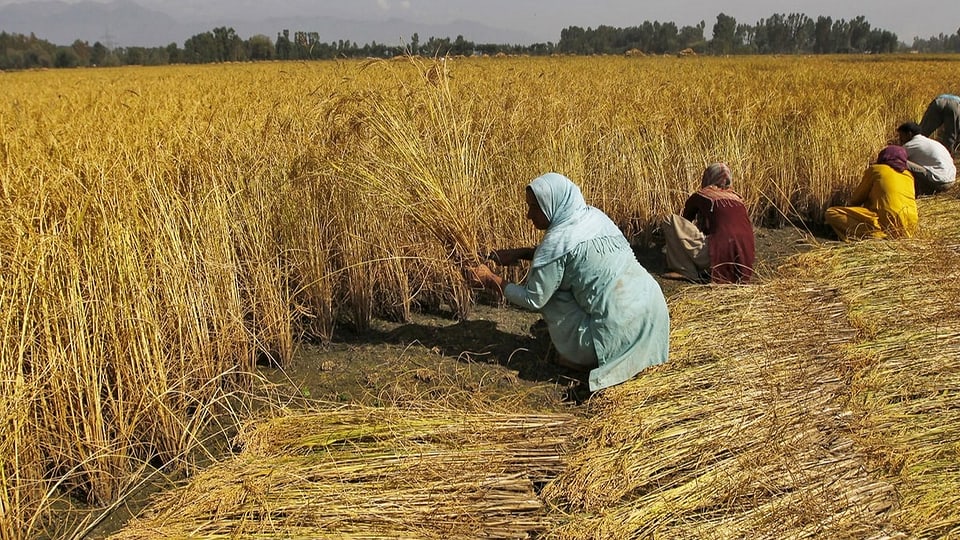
(358,472)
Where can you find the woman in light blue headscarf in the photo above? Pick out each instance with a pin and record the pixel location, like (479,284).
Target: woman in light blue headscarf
(604,312)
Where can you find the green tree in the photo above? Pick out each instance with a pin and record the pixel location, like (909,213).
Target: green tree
(666,37)
(462,46)
(822,36)
(692,36)
(259,47)
(174,54)
(135,56)
(840,35)
(201,49)
(859,33)
(724,35)
(66,57)
(882,41)
(438,46)
(802,30)
(572,40)
(745,37)
(284,47)
(228,47)
(99,54)
(83,52)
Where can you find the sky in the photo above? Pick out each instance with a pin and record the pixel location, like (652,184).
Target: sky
(543,19)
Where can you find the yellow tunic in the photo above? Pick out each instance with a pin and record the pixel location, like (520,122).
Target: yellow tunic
(884,204)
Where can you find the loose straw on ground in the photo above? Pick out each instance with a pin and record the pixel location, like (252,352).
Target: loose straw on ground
(358,472)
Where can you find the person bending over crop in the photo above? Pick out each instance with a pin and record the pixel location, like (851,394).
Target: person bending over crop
(884,203)
(943,113)
(603,311)
(928,161)
(714,236)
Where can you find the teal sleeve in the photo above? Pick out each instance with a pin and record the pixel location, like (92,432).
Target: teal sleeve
(540,286)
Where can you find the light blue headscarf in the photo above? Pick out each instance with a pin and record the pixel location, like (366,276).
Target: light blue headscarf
(572,221)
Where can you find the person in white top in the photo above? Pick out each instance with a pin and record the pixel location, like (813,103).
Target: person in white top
(929,161)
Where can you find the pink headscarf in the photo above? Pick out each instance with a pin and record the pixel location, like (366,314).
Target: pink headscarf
(894,156)
(717,174)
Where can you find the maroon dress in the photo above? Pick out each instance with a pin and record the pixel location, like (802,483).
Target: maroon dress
(721,215)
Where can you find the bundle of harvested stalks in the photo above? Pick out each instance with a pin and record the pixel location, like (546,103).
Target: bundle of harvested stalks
(361,472)
(904,298)
(819,404)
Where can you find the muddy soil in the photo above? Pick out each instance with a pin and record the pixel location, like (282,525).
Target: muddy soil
(498,352)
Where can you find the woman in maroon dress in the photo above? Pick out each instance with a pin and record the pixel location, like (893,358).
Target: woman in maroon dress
(714,237)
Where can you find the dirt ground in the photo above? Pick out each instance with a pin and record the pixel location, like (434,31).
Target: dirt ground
(498,352)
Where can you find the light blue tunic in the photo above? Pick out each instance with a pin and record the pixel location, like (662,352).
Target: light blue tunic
(602,308)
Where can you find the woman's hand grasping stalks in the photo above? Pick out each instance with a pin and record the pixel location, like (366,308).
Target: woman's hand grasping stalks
(481,276)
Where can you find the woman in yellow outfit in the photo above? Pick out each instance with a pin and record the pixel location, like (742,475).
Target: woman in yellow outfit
(884,204)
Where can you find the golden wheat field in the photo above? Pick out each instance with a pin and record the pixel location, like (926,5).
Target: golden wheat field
(163,230)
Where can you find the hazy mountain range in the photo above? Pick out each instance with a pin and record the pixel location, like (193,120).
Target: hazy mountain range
(126,23)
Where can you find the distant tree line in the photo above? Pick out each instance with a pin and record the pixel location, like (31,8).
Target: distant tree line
(650,37)
(779,34)
(222,44)
(938,44)
(797,33)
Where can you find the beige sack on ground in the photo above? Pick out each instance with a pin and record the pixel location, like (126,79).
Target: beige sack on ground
(686,247)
